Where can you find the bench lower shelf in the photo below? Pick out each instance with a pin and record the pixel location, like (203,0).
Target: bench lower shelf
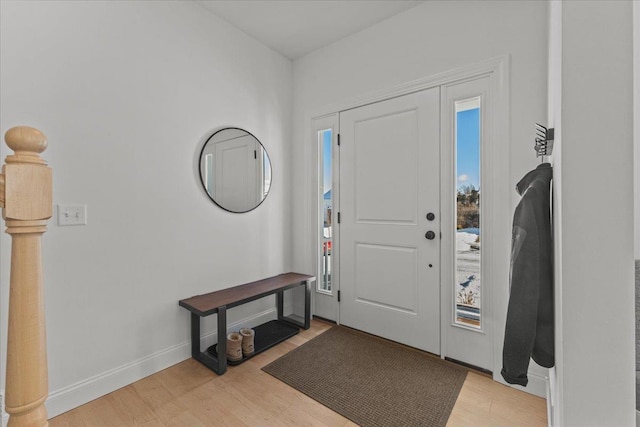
(267,335)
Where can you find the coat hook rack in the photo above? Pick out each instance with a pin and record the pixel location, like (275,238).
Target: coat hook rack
(544,141)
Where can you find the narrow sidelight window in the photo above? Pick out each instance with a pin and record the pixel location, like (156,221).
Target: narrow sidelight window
(325,138)
(468,288)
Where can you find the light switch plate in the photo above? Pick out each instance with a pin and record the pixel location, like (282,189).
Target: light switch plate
(72,215)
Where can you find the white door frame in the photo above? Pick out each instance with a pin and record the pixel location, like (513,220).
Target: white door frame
(498,178)
(325,304)
(457,339)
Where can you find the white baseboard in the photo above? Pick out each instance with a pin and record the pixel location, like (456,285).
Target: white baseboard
(5,416)
(82,392)
(537,384)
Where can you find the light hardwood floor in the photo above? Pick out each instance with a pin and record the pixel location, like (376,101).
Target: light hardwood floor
(188,394)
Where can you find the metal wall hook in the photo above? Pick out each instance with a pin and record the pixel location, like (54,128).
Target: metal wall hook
(544,141)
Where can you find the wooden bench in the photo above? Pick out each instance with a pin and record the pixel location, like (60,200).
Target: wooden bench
(267,334)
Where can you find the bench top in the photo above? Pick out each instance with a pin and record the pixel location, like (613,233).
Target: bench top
(204,305)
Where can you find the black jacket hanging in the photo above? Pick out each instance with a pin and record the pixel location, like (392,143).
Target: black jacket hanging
(529,327)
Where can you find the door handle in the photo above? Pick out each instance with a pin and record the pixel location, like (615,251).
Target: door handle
(430,235)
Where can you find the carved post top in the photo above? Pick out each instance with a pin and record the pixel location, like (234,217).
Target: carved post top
(28,143)
(26,181)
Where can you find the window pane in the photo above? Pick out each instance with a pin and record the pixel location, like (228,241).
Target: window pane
(326,202)
(468,291)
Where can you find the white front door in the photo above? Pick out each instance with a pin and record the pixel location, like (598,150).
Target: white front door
(389,186)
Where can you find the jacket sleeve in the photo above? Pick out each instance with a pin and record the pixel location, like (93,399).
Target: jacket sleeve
(522,312)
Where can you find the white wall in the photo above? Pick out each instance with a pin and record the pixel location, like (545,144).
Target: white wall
(596,361)
(636,115)
(432,38)
(127,93)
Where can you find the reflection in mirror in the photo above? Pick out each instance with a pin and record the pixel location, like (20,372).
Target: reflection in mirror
(235,170)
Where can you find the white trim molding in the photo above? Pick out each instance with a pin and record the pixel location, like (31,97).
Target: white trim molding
(5,416)
(554,120)
(74,395)
(491,65)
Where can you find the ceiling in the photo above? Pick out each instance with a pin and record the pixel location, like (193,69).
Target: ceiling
(297,27)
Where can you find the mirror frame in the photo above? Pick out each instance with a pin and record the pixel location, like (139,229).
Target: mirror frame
(200,174)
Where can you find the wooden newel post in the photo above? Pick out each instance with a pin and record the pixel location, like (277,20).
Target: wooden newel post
(25,195)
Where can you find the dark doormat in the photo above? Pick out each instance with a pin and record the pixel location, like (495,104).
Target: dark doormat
(372,381)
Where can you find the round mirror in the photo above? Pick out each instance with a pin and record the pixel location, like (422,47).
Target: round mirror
(235,170)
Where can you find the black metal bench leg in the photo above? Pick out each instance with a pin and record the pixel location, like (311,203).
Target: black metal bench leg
(280,304)
(216,364)
(306,320)
(307,304)
(195,334)
(222,340)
